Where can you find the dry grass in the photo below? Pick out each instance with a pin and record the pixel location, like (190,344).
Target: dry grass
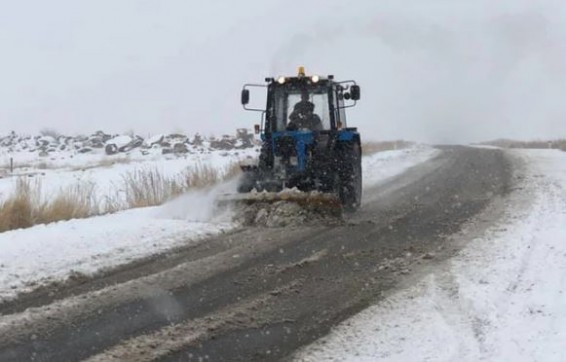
(26,207)
(371,147)
(149,187)
(43,166)
(201,176)
(232,171)
(16,165)
(145,187)
(75,202)
(111,161)
(105,162)
(18,211)
(536,144)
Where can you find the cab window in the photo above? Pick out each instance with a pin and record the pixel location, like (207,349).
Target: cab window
(286,99)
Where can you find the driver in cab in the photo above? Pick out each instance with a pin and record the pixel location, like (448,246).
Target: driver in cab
(303,116)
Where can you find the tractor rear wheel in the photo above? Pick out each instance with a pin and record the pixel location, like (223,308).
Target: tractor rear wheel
(247,182)
(351,178)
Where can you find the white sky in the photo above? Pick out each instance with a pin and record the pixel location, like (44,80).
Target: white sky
(435,71)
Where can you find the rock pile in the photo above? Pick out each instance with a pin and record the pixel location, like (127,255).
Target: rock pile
(50,142)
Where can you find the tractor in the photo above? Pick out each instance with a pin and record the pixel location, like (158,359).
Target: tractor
(305,141)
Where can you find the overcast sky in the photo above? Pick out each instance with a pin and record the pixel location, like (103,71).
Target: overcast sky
(435,71)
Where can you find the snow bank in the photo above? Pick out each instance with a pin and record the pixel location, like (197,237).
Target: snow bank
(383,165)
(44,253)
(503,298)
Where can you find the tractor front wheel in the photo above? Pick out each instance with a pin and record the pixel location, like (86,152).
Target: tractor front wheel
(247,181)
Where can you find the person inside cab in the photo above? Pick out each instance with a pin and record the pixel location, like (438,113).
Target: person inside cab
(303,116)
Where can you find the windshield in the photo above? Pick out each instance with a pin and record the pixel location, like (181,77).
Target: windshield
(298,108)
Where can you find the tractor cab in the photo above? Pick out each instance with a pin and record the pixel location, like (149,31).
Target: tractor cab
(304,103)
(306,142)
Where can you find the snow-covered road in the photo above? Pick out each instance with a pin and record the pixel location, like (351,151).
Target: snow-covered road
(44,253)
(502,298)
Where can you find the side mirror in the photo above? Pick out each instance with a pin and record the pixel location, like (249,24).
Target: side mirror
(355,92)
(257,129)
(245,96)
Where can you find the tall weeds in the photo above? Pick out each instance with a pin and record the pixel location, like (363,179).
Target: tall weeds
(149,187)
(18,210)
(26,207)
(75,202)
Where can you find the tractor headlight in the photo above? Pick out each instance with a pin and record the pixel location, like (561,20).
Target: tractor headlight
(315,78)
(281,80)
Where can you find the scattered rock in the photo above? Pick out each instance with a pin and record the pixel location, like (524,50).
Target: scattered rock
(154,140)
(177,136)
(111,149)
(225,143)
(197,140)
(176,143)
(244,138)
(134,143)
(180,148)
(120,141)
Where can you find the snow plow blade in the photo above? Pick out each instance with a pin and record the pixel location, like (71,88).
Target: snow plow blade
(314,201)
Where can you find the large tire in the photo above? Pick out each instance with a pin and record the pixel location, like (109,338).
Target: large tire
(247,181)
(351,177)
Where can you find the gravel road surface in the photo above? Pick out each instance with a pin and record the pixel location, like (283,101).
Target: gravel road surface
(258,293)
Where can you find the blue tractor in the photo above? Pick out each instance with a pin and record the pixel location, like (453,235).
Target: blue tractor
(306,143)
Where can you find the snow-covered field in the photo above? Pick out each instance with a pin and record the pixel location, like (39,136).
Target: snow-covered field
(44,253)
(383,165)
(503,298)
(106,173)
